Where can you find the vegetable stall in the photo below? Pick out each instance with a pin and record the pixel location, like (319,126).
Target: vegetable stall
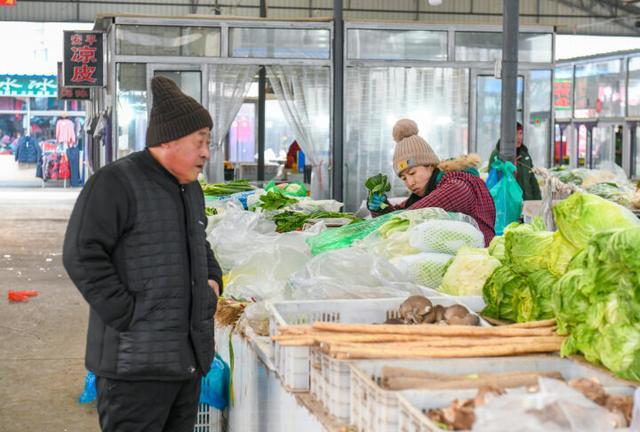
(336,321)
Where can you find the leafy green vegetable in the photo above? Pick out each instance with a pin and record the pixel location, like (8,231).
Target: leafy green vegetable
(498,292)
(223,189)
(496,248)
(561,252)
(582,215)
(210,211)
(275,200)
(598,302)
(402,221)
(379,184)
(424,268)
(527,249)
(467,272)
(291,221)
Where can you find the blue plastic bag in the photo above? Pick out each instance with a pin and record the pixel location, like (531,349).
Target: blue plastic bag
(493,179)
(214,390)
(507,195)
(89,393)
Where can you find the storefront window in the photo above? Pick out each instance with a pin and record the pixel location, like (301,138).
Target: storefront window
(487,46)
(603,145)
(581,138)
(8,103)
(47,104)
(488,113)
(279,43)
(636,149)
(168,41)
(131,107)
(397,45)
(537,127)
(599,90)
(375,98)
(563,92)
(634,86)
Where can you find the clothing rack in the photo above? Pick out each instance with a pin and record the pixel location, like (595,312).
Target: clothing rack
(48,150)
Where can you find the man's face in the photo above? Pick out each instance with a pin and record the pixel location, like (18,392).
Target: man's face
(518,137)
(186,156)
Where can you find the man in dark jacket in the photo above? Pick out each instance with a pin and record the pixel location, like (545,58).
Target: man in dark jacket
(524,164)
(136,249)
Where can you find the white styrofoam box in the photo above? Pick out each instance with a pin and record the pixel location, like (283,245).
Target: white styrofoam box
(293,362)
(374,409)
(209,419)
(412,405)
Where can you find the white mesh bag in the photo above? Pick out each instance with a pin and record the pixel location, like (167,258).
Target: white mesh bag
(445,236)
(425,268)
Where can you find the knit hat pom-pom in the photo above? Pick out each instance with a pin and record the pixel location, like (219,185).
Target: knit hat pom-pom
(404,128)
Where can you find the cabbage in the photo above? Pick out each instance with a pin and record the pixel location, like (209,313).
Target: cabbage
(445,236)
(424,268)
(526,249)
(498,292)
(582,215)
(468,271)
(598,302)
(560,254)
(496,248)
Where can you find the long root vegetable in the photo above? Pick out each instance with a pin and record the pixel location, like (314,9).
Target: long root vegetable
(505,380)
(432,330)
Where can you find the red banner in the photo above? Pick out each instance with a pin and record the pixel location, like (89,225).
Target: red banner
(7,2)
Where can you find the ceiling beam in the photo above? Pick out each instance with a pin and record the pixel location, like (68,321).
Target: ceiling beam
(618,20)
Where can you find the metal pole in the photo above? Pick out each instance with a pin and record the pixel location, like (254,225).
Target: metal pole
(262,84)
(510,24)
(338,94)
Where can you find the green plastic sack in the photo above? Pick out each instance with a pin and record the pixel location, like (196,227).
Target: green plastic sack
(345,236)
(507,196)
(295,189)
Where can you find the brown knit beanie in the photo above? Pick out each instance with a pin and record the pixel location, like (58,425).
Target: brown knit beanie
(173,114)
(411,150)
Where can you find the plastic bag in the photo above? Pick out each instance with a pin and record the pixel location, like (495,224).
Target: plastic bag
(507,196)
(89,393)
(348,274)
(297,189)
(214,389)
(424,268)
(445,236)
(345,236)
(492,179)
(554,408)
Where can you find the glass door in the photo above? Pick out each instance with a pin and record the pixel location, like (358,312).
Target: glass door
(189,78)
(606,144)
(488,101)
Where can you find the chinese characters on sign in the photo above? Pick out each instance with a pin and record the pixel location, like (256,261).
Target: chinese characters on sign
(562,94)
(81,93)
(28,85)
(83,59)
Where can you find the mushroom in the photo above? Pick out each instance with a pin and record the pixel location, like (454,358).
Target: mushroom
(455,310)
(468,320)
(414,309)
(439,313)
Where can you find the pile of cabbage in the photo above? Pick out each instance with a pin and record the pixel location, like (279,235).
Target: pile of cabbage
(521,288)
(586,275)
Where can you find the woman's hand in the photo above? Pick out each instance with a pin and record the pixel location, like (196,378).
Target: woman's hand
(376,201)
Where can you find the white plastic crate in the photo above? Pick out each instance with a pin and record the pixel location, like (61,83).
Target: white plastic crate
(293,362)
(209,419)
(335,375)
(411,404)
(374,409)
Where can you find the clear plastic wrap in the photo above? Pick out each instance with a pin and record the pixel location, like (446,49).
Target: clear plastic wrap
(554,408)
(348,274)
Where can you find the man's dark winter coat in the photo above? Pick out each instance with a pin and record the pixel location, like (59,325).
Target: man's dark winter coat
(136,249)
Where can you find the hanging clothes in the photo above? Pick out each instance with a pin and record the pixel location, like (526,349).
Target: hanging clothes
(65,132)
(28,151)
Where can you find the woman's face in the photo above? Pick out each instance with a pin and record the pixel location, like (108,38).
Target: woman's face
(416,179)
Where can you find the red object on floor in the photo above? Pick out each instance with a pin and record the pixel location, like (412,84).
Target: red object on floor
(21,296)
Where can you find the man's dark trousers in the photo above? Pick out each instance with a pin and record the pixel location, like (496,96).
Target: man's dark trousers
(153,406)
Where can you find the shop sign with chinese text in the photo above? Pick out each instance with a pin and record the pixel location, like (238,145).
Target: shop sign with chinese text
(72,93)
(83,59)
(28,85)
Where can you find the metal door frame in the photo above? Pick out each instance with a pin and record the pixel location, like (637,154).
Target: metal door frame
(178,67)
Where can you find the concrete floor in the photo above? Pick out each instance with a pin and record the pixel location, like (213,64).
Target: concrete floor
(42,341)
